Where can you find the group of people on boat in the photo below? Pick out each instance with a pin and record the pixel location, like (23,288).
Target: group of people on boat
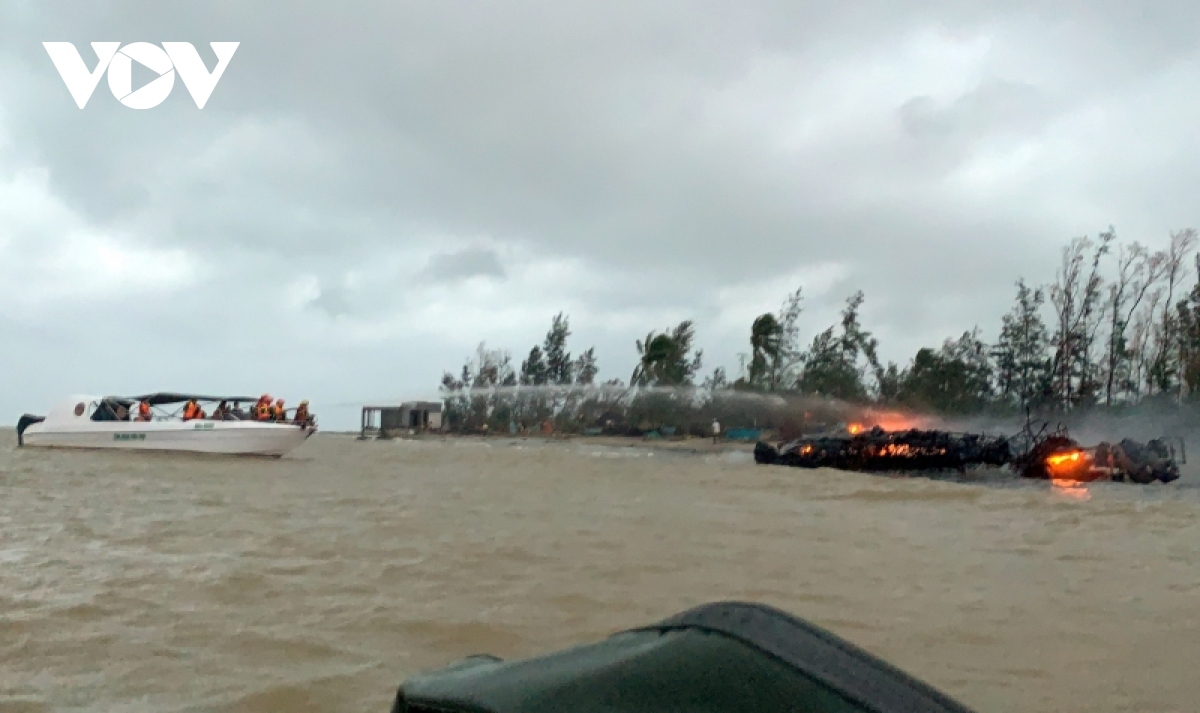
(263,410)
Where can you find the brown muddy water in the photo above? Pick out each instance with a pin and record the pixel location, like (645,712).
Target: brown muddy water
(320,581)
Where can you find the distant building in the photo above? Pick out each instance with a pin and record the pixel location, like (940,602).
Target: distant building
(408,417)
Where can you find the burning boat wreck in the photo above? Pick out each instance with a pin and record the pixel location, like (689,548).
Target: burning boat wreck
(1049,456)
(1058,457)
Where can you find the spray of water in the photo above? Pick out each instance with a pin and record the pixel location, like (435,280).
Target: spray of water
(734,408)
(1143,422)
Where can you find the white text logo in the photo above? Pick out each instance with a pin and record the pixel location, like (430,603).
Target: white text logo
(118,60)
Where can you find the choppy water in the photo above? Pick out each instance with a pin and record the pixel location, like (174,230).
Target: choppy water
(320,581)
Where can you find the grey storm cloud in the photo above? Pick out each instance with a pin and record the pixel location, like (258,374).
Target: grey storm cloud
(464,264)
(333,301)
(630,163)
(995,106)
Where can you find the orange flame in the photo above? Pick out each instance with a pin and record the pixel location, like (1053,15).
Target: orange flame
(1059,458)
(890,420)
(903,450)
(1064,465)
(854,428)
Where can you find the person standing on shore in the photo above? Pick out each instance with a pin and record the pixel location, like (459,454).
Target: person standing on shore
(716,430)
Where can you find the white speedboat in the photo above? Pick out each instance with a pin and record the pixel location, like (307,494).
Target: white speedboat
(109,422)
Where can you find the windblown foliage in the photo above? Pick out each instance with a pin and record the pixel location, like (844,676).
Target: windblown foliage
(1117,326)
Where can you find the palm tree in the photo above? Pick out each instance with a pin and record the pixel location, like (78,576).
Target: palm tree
(766,341)
(664,358)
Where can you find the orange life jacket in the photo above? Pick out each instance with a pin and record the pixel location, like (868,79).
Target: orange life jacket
(191,411)
(143,411)
(262,411)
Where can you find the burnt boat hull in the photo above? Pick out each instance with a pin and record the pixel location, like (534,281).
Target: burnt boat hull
(879,451)
(1053,457)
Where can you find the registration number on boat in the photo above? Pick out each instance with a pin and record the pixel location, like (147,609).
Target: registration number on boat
(129,436)
(204,426)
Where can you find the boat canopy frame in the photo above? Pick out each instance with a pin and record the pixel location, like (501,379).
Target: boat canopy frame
(160,399)
(108,408)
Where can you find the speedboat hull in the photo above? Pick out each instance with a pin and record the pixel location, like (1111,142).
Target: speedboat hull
(216,437)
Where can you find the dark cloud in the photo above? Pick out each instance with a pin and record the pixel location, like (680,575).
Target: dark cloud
(332,300)
(632,164)
(464,264)
(995,106)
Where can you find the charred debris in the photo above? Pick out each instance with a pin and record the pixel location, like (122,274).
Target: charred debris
(1048,454)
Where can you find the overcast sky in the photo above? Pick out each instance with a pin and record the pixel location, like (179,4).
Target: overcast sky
(374,189)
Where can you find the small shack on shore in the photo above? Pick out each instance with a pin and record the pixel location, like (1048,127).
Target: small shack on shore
(408,417)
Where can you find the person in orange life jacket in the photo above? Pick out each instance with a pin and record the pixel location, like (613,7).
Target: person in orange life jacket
(278,412)
(143,411)
(262,409)
(192,411)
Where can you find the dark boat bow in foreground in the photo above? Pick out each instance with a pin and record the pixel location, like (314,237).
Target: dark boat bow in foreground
(726,657)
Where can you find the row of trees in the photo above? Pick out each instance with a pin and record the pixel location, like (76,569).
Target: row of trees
(1115,327)
(1118,325)
(548,363)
